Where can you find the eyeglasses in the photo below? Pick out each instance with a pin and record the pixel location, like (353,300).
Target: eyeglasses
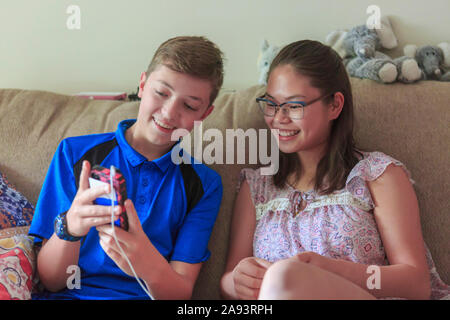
(294,109)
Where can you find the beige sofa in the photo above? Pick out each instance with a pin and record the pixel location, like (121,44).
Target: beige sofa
(409,122)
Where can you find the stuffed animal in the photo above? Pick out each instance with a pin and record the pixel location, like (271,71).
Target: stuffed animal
(434,61)
(266,55)
(359,47)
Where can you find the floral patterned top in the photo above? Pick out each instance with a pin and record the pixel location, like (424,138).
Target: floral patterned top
(340,225)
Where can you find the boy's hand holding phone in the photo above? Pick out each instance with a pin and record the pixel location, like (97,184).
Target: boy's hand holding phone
(84,214)
(134,242)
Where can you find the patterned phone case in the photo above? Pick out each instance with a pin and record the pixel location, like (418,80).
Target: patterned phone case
(102,174)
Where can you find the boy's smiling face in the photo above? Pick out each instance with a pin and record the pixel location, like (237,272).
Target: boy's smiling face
(170,100)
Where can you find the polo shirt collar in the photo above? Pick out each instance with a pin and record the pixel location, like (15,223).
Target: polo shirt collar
(134,157)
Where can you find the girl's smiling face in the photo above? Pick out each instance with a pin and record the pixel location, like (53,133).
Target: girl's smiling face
(313,130)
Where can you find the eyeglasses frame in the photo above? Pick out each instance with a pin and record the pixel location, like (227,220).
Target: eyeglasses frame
(280,106)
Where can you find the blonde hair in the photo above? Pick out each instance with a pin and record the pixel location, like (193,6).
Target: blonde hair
(193,55)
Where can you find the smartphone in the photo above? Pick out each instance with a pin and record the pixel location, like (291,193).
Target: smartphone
(100,176)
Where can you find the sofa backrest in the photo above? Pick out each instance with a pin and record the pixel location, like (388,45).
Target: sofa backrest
(32,123)
(412,123)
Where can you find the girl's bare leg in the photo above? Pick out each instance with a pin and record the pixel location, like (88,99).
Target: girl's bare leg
(291,279)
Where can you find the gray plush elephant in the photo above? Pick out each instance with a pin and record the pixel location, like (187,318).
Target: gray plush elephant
(431,60)
(363,59)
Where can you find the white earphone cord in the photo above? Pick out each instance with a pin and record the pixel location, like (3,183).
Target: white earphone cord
(112,173)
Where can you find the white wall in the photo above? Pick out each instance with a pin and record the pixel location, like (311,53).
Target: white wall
(116,39)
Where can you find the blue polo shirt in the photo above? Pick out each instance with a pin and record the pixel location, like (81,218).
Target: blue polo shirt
(177,205)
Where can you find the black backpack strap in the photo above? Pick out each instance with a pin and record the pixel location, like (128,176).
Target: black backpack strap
(95,155)
(192,185)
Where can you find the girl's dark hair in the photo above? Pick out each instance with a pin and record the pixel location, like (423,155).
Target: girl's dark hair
(323,66)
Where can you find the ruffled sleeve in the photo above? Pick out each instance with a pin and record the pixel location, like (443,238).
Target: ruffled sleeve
(256,182)
(370,168)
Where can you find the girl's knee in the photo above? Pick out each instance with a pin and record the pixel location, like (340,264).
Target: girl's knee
(282,279)
(291,279)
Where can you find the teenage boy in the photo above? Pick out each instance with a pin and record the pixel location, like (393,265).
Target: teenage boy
(171,208)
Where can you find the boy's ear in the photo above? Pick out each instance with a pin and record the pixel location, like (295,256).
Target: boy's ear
(336,106)
(142,84)
(207,112)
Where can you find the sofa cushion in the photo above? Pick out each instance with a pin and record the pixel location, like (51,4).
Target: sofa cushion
(17,264)
(232,111)
(15,209)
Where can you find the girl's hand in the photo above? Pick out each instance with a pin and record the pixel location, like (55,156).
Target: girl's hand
(316,260)
(247,277)
(83,214)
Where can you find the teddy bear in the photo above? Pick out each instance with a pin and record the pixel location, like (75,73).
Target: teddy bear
(434,61)
(265,57)
(359,47)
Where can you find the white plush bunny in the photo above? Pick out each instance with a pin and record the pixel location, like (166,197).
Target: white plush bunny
(265,57)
